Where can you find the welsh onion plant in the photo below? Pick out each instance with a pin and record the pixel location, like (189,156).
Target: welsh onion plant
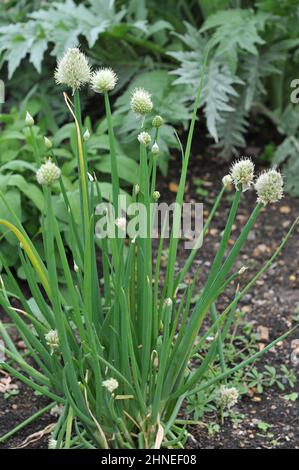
(117,355)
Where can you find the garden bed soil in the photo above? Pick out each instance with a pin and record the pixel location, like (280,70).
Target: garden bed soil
(270,304)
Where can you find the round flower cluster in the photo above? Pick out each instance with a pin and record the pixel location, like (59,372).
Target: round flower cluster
(52,340)
(269,187)
(227,397)
(73,69)
(52,444)
(103,80)
(141,102)
(157,121)
(156,196)
(144,138)
(227,181)
(48,173)
(242,173)
(110,384)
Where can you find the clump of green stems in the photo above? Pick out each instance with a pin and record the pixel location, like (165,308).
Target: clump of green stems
(131,328)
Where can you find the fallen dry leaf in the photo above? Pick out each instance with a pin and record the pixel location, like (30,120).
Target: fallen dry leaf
(284,209)
(263,333)
(173,187)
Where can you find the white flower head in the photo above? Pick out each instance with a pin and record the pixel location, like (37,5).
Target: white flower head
(103,80)
(86,135)
(52,443)
(227,397)
(157,121)
(156,196)
(48,143)
(227,181)
(144,138)
(72,69)
(29,121)
(269,187)
(242,173)
(110,384)
(120,222)
(52,340)
(141,102)
(155,149)
(48,173)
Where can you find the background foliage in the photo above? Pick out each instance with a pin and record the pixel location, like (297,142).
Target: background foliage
(253,59)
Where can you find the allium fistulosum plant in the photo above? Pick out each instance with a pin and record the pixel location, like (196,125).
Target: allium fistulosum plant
(117,355)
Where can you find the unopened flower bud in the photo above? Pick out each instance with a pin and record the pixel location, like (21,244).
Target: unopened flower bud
(48,143)
(52,340)
(86,135)
(242,173)
(137,188)
(155,149)
(141,102)
(29,121)
(157,121)
(168,302)
(156,196)
(269,187)
(144,138)
(48,173)
(103,80)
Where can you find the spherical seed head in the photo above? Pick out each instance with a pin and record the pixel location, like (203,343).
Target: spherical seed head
(48,173)
(157,121)
(110,384)
(156,196)
(227,396)
(155,149)
(144,138)
(48,143)
(141,102)
(52,340)
(103,80)
(242,173)
(269,187)
(72,69)
(29,121)
(227,181)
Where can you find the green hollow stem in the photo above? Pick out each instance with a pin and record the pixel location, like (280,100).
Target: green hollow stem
(114,171)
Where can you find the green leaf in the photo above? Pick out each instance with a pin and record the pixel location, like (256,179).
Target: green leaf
(236,29)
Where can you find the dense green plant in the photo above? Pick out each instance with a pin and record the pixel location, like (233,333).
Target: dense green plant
(19,146)
(118,356)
